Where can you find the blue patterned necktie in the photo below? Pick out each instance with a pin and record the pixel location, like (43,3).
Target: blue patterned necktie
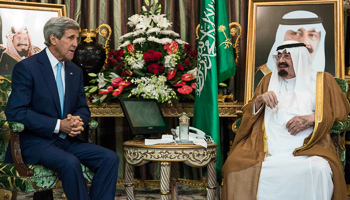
(60,85)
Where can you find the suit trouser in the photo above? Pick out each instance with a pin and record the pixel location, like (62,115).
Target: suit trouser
(65,155)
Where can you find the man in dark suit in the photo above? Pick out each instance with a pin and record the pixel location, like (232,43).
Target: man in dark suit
(48,97)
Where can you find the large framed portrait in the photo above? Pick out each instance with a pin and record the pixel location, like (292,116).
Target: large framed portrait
(21,30)
(318,24)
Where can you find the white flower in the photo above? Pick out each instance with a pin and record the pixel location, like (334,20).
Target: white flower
(133,20)
(145,22)
(193,72)
(163,23)
(153,88)
(126,35)
(126,43)
(137,32)
(136,62)
(153,30)
(139,40)
(170,61)
(166,40)
(101,80)
(158,18)
(180,41)
(169,32)
(113,75)
(153,39)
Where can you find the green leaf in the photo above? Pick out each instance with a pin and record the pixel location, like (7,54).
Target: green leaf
(138,72)
(93,89)
(92,74)
(223,85)
(147,2)
(103,98)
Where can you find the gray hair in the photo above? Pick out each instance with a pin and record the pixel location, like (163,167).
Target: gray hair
(57,26)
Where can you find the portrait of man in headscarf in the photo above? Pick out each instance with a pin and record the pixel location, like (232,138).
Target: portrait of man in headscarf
(312,25)
(305,27)
(18,47)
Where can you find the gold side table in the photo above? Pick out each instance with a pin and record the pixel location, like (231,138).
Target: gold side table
(136,153)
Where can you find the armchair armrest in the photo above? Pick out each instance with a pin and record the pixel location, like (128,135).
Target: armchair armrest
(15,129)
(92,125)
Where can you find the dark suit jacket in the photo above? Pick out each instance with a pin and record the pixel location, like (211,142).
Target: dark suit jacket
(34,102)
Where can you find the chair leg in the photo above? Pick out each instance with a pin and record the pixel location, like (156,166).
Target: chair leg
(14,195)
(44,195)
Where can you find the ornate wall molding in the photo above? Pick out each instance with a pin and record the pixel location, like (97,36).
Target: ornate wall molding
(226,109)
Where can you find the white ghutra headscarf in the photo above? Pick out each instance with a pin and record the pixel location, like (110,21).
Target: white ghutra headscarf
(293,21)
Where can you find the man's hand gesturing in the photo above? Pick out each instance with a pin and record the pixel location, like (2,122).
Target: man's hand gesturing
(72,125)
(269,98)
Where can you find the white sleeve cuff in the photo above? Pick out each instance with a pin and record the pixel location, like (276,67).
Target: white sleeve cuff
(57,128)
(254,113)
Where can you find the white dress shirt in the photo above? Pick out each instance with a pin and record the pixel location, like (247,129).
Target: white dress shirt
(53,61)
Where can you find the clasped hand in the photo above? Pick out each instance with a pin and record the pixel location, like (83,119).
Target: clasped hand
(294,125)
(72,125)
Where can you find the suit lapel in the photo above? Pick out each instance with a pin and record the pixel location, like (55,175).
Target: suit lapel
(49,78)
(68,87)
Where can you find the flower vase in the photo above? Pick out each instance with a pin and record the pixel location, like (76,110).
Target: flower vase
(89,55)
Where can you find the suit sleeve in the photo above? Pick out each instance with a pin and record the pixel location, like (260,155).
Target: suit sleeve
(81,108)
(18,107)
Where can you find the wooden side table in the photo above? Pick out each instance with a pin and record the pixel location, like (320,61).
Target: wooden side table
(136,153)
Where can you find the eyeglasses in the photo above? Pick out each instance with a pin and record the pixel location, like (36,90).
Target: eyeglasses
(286,56)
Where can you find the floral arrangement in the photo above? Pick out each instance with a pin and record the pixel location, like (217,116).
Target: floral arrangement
(151,62)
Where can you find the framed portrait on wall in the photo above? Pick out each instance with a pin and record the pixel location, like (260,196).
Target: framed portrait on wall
(317,24)
(21,30)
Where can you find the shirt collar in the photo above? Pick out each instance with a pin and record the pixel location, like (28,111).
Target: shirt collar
(53,60)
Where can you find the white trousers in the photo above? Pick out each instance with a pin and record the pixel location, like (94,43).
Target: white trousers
(295,178)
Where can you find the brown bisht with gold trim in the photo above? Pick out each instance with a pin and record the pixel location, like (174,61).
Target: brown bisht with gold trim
(243,165)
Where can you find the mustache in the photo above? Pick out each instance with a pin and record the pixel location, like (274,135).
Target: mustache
(22,45)
(283,63)
(310,50)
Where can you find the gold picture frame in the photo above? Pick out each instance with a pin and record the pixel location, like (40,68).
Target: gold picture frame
(264,20)
(21,27)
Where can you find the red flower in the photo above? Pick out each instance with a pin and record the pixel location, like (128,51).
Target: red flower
(106,91)
(171,48)
(116,81)
(187,62)
(185,89)
(118,58)
(151,55)
(110,53)
(124,84)
(179,84)
(193,85)
(155,68)
(119,53)
(180,67)
(187,46)
(117,91)
(126,73)
(171,75)
(118,67)
(187,77)
(111,60)
(131,49)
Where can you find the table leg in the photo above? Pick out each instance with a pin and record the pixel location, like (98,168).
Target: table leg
(129,179)
(174,174)
(211,189)
(165,180)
